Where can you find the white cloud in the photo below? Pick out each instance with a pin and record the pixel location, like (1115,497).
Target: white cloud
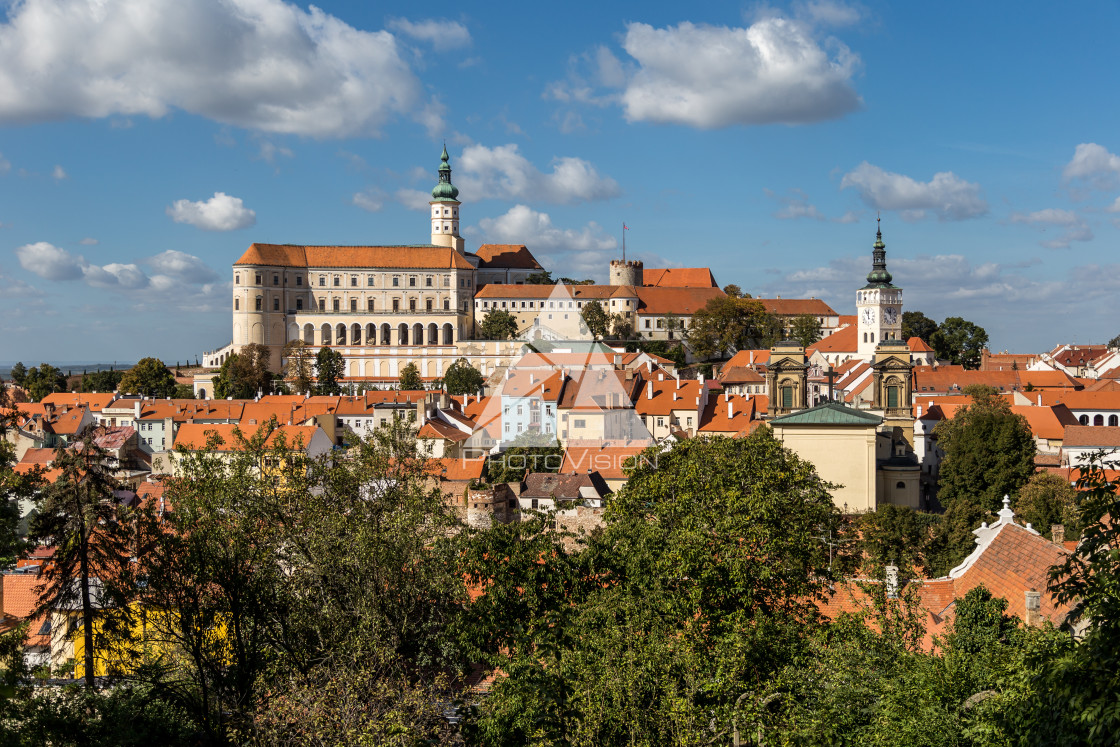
(1093,162)
(440,34)
(1114,207)
(181,266)
(587,74)
(270,151)
(414,199)
(773,72)
(13,288)
(5,164)
(1053,216)
(89,241)
(826,12)
(1076,228)
(221,212)
(266,65)
(173,270)
(504,173)
(579,252)
(946,194)
(49,261)
(371,199)
(59,173)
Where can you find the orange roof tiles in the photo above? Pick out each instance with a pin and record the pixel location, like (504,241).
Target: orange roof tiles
(533,384)
(545,292)
(678,301)
(94,401)
(437,430)
(663,401)
(844,340)
(609,461)
(797,306)
(918,345)
(456,469)
(20,598)
(354,257)
(679,277)
(747,358)
(513,256)
(1091,436)
(727,414)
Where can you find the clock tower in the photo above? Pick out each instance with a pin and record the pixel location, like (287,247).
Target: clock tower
(878,304)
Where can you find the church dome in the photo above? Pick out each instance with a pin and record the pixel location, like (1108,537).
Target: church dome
(445,191)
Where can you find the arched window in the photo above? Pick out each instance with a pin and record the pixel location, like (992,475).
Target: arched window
(1112,420)
(1098,420)
(900,486)
(787,396)
(892,396)
(1084,420)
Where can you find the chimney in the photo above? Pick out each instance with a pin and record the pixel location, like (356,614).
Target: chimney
(1058,533)
(649,390)
(136,410)
(891,582)
(1040,400)
(532,378)
(701,378)
(1033,603)
(730,410)
(661,376)
(675,395)
(919,412)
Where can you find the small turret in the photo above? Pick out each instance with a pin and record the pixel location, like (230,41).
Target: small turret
(445,208)
(627,272)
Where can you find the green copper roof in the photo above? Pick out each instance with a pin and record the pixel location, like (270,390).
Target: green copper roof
(444,190)
(878,277)
(830,413)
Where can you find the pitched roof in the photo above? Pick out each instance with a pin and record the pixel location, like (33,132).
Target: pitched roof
(535,384)
(679,301)
(1080,355)
(829,413)
(727,414)
(843,340)
(747,358)
(797,306)
(918,345)
(1091,436)
(94,401)
(667,396)
(195,435)
(679,277)
(456,469)
(20,598)
(437,430)
(559,291)
(404,256)
(561,486)
(608,461)
(740,375)
(512,256)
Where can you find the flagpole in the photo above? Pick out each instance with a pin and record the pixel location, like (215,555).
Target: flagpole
(624,241)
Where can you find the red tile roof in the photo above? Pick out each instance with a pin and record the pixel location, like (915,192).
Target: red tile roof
(918,345)
(609,461)
(797,306)
(844,340)
(1092,436)
(678,301)
(663,401)
(512,256)
(94,401)
(354,257)
(679,277)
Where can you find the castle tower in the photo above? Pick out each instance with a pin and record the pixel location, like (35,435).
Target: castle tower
(445,208)
(627,272)
(878,304)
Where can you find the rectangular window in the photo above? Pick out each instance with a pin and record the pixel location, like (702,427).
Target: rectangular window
(299,279)
(259,302)
(258,278)
(447,304)
(276,280)
(353,281)
(276,304)
(412,304)
(412,282)
(299,304)
(396,281)
(369,280)
(369,303)
(428,281)
(322,281)
(335,303)
(337,281)
(353,304)
(322,305)
(577,423)
(429,304)
(396,304)
(446,281)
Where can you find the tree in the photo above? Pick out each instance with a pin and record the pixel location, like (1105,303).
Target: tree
(544,277)
(499,324)
(183,391)
(19,373)
(734,291)
(79,516)
(806,329)
(410,380)
(573,281)
(989,453)
(329,369)
(959,341)
(299,366)
(895,534)
(101,381)
(43,381)
(14,486)
(727,324)
(463,378)
(1113,343)
(621,327)
(1048,499)
(672,324)
(597,320)
(917,324)
(243,375)
(150,378)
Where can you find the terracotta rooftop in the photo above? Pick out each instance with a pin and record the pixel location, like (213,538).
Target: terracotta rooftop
(679,277)
(609,461)
(1092,436)
(679,301)
(843,340)
(918,345)
(797,306)
(354,257)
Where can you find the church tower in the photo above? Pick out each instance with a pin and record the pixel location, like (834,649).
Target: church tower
(445,208)
(878,304)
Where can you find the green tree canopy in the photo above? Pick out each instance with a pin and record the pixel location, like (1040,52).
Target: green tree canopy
(100,381)
(596,319)
(1048,499)
(917,324)
(529,451)
(727,324)
(989,453)
(299,366)
(410,380)
(150,378)
(43,381)
(544,277)
(499,324)
(463,378)
(329,365)
(959,341)
(735,291)
(806,329)
(19,373)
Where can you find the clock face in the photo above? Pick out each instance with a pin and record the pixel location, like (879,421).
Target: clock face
(891,315)
(869,316)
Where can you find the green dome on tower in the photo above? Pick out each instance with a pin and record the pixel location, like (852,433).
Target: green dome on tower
(444,190)
(879,277)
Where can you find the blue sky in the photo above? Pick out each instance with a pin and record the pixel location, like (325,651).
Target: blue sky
(146,143)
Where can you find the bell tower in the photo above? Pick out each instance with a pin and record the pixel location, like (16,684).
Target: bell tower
(878,304)
(445,208)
